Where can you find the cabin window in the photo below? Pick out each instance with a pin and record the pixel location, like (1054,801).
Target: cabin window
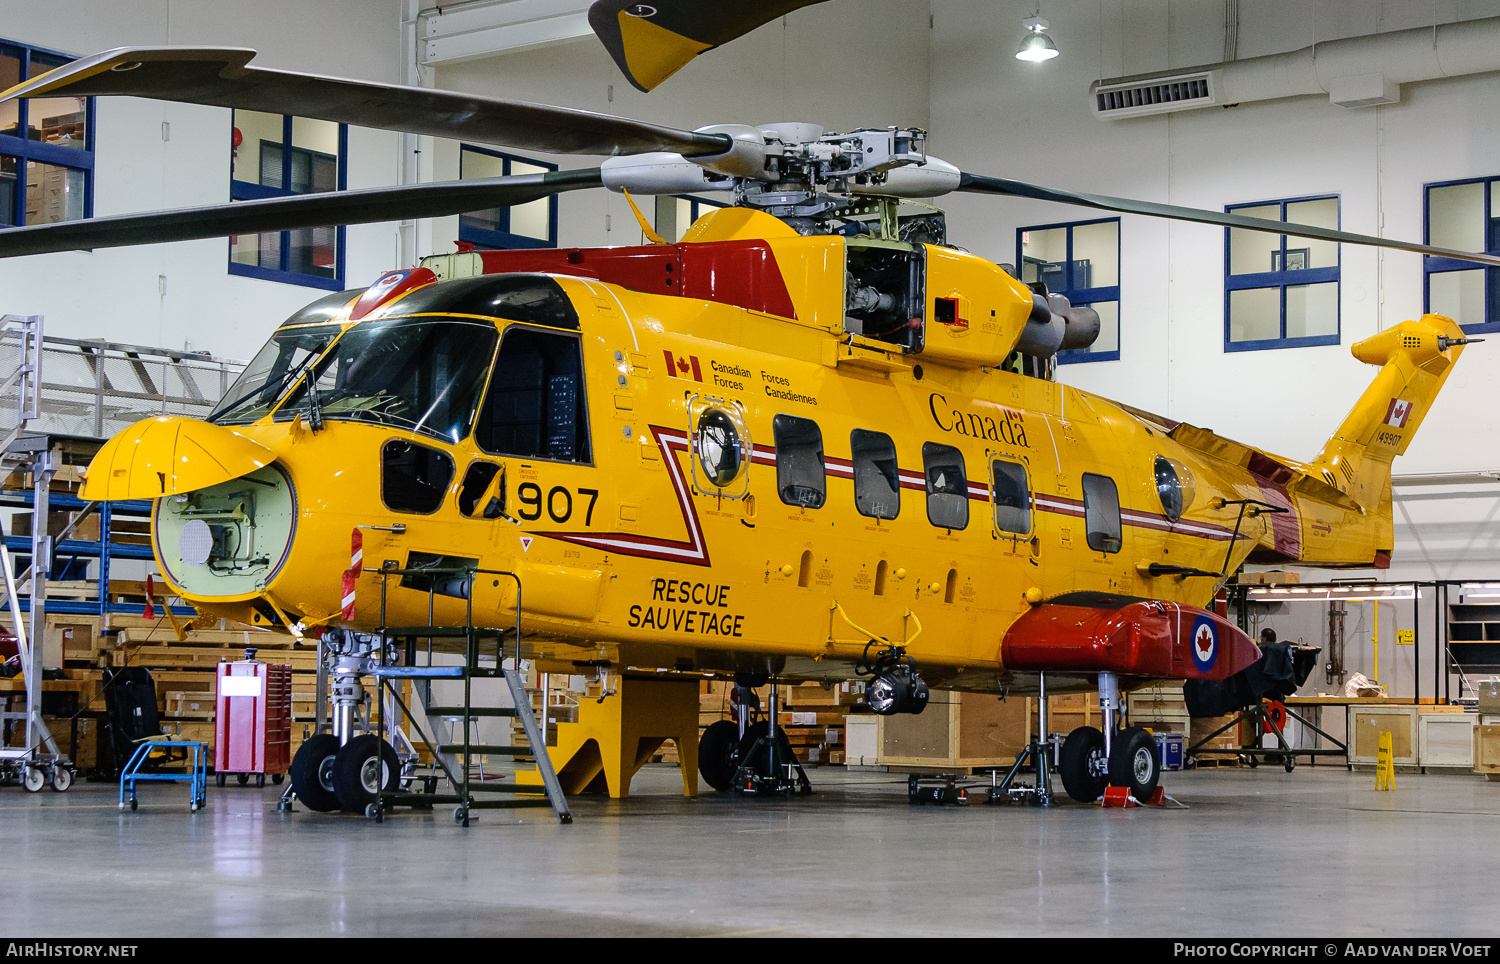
(877,484)
(800,478)
(1463,215)
(947,486)
(278,155)
(413,478)
(483,491)
(1101,513)
(1012,496)
(1081,262)
(1173,487)
(1281,291)
(535,408)
(720,449)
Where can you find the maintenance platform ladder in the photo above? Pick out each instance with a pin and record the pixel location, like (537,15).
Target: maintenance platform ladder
(483,658)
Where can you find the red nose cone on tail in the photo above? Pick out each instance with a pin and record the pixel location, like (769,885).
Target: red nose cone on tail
(1092,632)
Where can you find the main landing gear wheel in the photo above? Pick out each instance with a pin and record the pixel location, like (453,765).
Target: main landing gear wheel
(1135,762)
(1083,768)
(365,766)
(719,754)
(312,772)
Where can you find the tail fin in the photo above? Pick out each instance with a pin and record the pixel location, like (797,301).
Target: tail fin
(1415,358)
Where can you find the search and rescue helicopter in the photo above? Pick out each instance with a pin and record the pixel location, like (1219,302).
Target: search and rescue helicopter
(810,439)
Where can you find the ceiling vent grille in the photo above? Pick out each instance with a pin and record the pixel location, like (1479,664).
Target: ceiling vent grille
(1153,95)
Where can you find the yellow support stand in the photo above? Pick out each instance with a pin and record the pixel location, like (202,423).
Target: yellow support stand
(615,738)
(1385,767)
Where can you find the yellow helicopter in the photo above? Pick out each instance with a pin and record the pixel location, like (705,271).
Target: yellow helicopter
(811,440)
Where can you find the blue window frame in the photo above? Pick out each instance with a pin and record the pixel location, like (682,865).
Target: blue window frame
(1281,291)
(1461,215)
(278,155)
(1081,261)
(529,225)
(46,145)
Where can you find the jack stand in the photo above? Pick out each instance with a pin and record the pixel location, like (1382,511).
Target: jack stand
(1038,753)
(771,766)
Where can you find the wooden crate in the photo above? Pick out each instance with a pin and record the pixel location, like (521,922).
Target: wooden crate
(1367,722)
(1487,750)
(1446,740)
(957,730)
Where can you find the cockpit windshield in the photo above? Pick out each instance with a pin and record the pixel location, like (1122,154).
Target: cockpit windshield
(273,368)
(423,374)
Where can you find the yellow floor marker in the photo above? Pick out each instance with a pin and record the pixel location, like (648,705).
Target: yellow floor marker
(1385,767)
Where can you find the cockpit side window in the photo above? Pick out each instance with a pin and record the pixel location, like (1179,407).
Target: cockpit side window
(877,482)
(800,475)
(535,407)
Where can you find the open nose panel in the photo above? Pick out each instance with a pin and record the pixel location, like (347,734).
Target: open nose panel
(168,455)
(1093,632)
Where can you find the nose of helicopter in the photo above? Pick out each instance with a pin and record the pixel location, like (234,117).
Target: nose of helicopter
(168,455)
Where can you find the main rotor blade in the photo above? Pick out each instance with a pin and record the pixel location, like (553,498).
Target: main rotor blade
(218,76)
(299,211)
(652,41)
(980,184)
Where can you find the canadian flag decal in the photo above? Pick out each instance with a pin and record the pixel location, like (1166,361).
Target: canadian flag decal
(685,367)
(1396,415)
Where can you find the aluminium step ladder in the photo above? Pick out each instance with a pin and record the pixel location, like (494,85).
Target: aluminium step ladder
(483,657)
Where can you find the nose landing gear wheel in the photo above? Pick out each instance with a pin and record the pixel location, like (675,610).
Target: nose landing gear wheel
(312,772)
(365,766)
(1135,762)
(1083,768)
(719,754)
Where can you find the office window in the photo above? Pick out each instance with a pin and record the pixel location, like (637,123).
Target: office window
(675,213)
(277,155)
(529,225)
(1080,261)
(947,486)
(1281,291)
(46,146)
(877,484)
(800,476)
(1460,215)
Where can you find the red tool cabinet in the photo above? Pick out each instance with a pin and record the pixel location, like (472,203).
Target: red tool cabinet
(253,720)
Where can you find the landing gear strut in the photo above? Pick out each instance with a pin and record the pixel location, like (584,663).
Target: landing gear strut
(1093,760)
(764,762)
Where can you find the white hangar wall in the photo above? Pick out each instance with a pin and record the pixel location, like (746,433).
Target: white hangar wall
(181,294)
(993,114)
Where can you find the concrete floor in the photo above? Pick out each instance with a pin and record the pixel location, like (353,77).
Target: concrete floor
(1317,852)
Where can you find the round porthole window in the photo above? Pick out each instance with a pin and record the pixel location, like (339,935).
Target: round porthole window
(1174,486)
(719,447)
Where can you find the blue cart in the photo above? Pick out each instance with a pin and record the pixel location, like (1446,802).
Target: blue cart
(196,777)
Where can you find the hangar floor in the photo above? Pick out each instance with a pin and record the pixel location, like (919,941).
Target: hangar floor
(1255,853)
